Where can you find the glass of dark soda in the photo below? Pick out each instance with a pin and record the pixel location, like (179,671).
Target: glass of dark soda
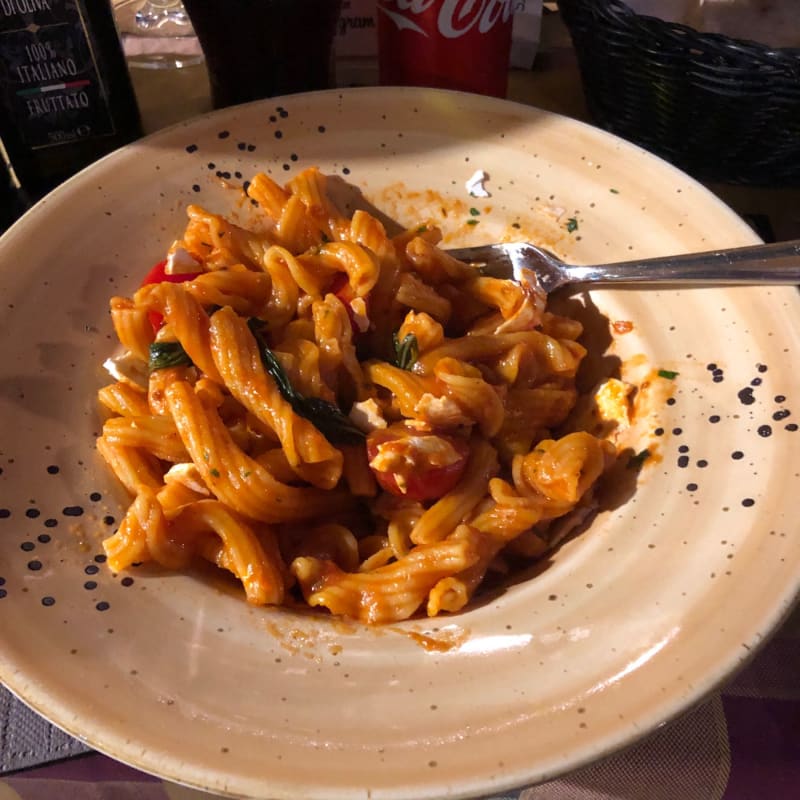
(264,48)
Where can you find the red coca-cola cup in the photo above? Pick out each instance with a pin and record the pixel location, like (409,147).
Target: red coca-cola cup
(451,44)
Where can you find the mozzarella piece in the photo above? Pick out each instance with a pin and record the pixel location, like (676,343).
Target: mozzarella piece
(440,411)
(127,368)
(400,456)
(475,185)
(181,262)
(366,415)
(612,401)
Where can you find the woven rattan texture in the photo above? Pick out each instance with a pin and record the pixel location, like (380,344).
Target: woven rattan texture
(722,109)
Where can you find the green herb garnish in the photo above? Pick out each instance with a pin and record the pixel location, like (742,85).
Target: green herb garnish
(614,191)
(214,472)
(473,221)
(167,354)
(422,229)
(474,212)
(572,225)
(326,417)
(406,352)
(668,374)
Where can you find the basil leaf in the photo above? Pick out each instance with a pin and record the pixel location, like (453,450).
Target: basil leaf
(669,374)
(406,352)
(326,417)
(167,354)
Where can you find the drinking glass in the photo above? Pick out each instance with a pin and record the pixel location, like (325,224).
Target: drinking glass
(263,48)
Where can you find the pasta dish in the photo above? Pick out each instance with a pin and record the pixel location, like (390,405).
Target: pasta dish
(340,417)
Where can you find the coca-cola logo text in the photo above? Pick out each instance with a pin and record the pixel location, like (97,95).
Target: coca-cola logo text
(454,18)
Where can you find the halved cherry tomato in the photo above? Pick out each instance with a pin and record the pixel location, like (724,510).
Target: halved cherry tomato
(158,274)
(404,461)
(342,289)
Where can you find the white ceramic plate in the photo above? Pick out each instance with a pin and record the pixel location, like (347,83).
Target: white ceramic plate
(629,624)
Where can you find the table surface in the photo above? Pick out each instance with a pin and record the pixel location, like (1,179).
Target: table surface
(743,742)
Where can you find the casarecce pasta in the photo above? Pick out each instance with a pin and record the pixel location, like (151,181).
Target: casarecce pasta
(340,417)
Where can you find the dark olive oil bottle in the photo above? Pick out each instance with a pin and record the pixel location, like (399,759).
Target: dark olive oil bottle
(66,97)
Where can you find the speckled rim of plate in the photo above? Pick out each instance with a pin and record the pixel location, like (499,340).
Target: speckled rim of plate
(630,623)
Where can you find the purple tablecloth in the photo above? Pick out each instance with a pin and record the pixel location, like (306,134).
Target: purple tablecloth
(742,743)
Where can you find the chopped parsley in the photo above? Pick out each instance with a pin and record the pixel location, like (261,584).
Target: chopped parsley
(474,212)
(422,229)
(669,374)
(572,225)
(214,472)
(473,221)
(614,191)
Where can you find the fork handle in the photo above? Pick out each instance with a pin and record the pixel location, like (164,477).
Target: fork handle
(761,263)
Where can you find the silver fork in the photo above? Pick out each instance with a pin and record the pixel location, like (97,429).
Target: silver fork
(777,263)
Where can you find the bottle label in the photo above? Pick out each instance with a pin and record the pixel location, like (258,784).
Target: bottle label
(49,81)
